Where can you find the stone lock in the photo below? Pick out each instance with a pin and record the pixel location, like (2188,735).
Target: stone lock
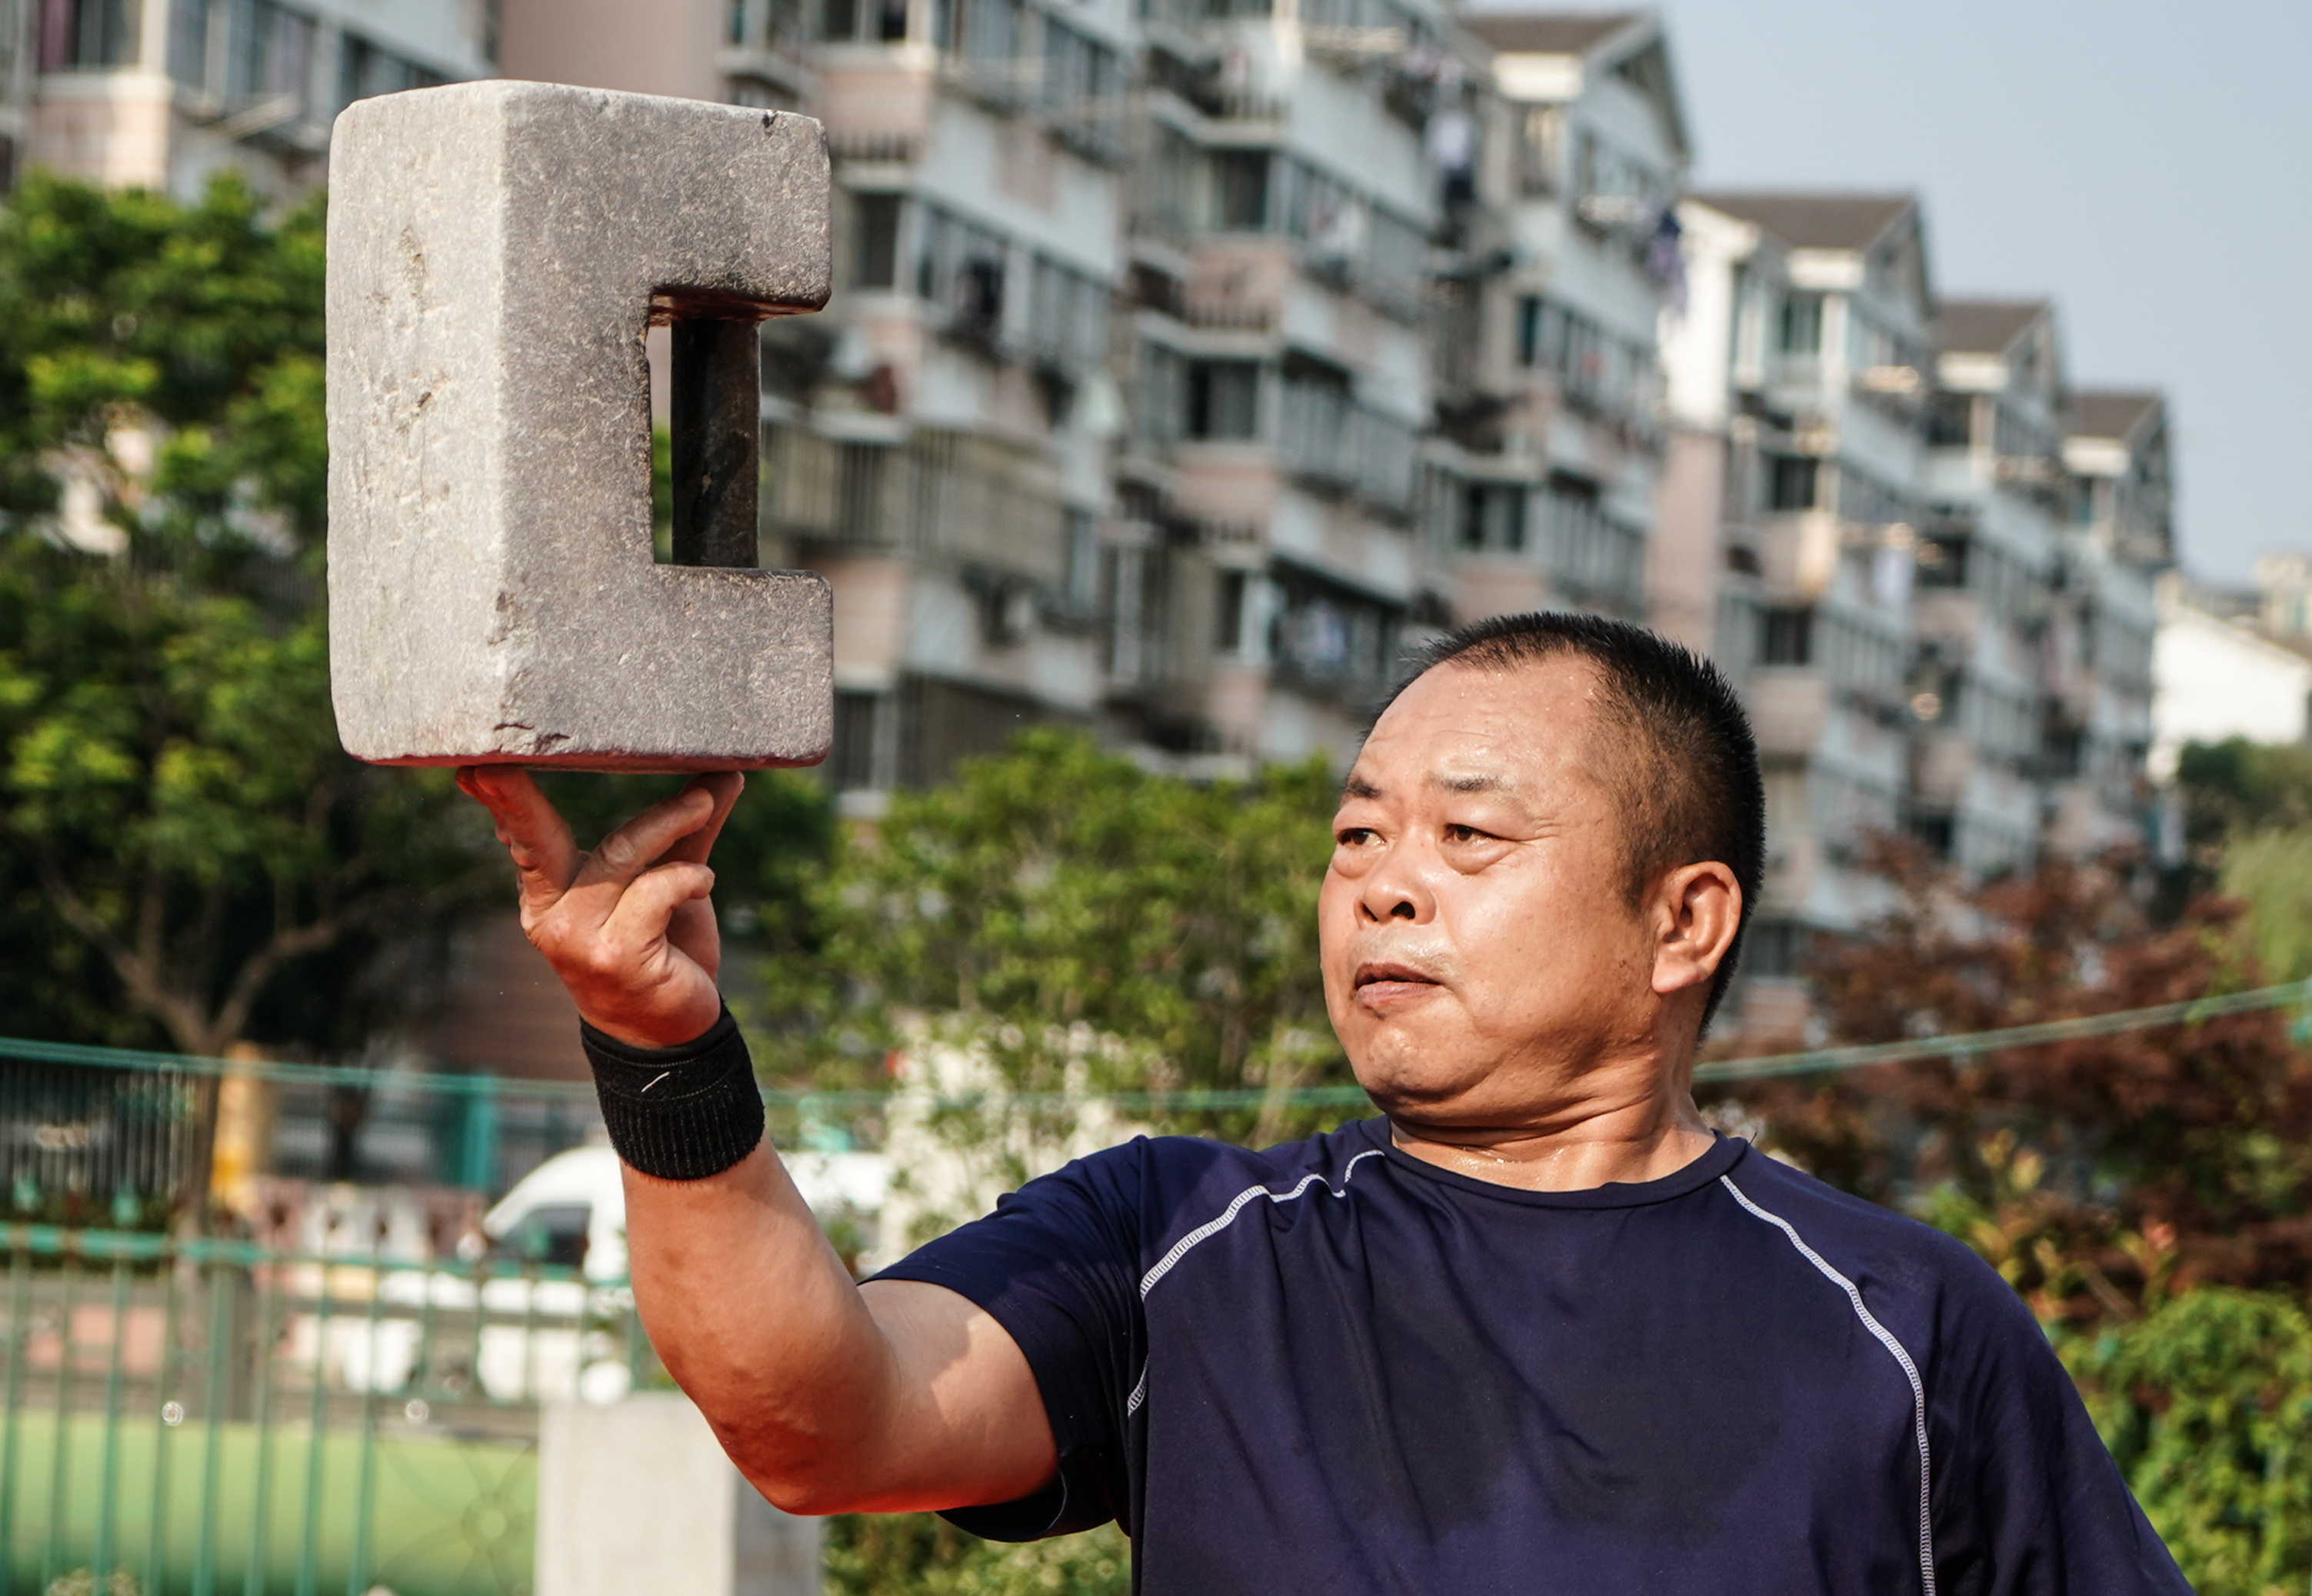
(496,253)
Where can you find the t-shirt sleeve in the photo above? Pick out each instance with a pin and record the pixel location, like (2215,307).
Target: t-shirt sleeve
(1057,1266)
(2027,1501)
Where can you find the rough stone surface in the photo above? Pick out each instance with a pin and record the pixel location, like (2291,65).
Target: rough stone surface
(638,1497)
(494,252)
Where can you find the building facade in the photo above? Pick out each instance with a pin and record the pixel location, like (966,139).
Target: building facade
(1927,562)
(1189,361)
(1799,372)
(162,93)
(1549,442)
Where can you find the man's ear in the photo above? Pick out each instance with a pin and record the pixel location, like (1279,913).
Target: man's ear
(1697,910)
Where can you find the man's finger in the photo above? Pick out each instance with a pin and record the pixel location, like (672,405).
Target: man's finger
(724,787)
(651,899)
(644,841)
(545,858)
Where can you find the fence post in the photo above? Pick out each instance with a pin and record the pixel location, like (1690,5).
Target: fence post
(477,1142)
(637,1495)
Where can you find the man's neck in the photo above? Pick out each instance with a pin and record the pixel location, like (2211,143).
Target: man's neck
(1571,1149)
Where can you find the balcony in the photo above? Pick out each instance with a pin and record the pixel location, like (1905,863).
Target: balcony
(972,500)
(1333,443)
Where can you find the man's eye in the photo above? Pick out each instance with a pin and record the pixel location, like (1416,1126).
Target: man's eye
(1350,837)
(1463,834)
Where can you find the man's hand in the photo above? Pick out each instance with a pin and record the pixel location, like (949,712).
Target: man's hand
(829,1397)
(628,927)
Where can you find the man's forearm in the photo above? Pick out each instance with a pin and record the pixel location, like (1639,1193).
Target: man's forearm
(757,1319)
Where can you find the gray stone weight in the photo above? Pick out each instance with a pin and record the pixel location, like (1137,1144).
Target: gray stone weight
(496,251)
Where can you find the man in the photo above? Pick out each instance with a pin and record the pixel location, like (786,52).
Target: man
(1537,1329)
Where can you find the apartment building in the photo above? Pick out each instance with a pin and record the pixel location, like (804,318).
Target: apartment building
(1988,569)
(1799,369)
(1135,407)
(2121,538)
(1276,341)
(1549,405)
(162,93)
(1926,561)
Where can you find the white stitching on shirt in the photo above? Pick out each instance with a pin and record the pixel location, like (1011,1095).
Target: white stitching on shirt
(1214,1227)
(1886,1339)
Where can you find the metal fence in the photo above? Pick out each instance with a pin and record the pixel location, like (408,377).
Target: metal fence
(183,1416)
(108,1138)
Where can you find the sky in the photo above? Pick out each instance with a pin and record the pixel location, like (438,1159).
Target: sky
(2144,162)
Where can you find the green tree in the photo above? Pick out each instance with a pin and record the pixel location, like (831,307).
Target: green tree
(2235,786)
(921,1555)
(2207,1405)
(178,830)
(1063,887)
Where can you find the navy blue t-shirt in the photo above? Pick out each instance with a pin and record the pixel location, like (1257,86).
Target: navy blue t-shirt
(1332,1367)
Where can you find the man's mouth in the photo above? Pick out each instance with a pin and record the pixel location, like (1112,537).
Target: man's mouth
(1382,982)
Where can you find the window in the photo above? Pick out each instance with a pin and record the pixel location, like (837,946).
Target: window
(1492,516)
(1081,75)
(960,264)
(1079,570)
(1161,414)
(189,43)
(268,54)
(1941,560)
(553,1233)
(1227,629)
(88,35)
(1161,397)
(364,69)
(1396,255)
(1951,420)
(1540,149)
(1593,557)
(874,241)
(993,32)
(1934,833)
(1790,483)
(851,763)
(1863,498)
(1240,190)
(1771,949)
(1330,636)
(1786,636)
(1312,425)
(1067,315)
(1802,324)
(1593,366)
(842,22)
(1223,400)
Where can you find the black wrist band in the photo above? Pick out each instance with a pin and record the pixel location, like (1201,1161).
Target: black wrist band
(679,1113)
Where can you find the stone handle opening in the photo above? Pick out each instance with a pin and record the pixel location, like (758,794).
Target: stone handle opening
(715,433)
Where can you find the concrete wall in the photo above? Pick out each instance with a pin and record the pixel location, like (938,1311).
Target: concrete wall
(637,1496)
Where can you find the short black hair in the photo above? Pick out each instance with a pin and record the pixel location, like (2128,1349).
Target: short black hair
(1683,770)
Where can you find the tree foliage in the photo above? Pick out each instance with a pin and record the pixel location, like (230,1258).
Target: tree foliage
(185,844)
(1063,887)
(2207,1406)
(920,1555)
(2090,1170)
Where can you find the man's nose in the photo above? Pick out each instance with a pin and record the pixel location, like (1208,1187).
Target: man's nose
(1397,891)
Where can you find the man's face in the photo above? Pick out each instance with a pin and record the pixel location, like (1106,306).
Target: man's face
(1479,948)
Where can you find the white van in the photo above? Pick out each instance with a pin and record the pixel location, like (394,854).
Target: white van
(550,1339)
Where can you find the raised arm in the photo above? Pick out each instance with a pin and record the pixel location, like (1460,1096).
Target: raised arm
(830,1396)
